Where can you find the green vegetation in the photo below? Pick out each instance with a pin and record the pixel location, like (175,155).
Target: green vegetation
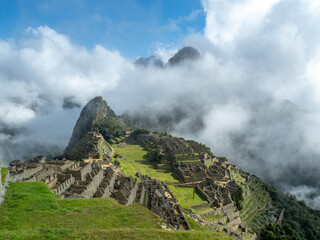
(4,173)
(111,127)
(194,156)
(274,232)
(213,217)
(197,226)
(300,221)
(137,161)
(117,163)
(238,198)
(30,211)
(187,196)
(140,131)
(154,155)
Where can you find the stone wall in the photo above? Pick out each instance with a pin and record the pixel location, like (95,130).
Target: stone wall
(81,171)
(3,185)
(92,187)
(64,185)
(27,173)
(128,191)
(107,185)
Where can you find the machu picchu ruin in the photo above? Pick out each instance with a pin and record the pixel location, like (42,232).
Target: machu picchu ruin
(181,181)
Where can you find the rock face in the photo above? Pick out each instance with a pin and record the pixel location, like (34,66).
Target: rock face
(149,61)
(185,54)
(95,110)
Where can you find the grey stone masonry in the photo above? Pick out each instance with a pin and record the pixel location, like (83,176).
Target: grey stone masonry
(3,185)
(107,185)
(24,173)
(65,181)
(80,171)
(126,194)
(88,187)
(162,202)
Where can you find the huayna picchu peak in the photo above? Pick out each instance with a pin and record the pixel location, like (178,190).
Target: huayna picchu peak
(176,189)
(95,110)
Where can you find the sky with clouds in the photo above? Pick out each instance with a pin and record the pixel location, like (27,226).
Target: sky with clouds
(253,96)
(134,27)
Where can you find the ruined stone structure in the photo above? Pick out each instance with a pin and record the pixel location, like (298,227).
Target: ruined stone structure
(125,190)
(64,182)
(21,172)
(3,185)
(80,170)
(220,169)
(190,161)
(106,186)
(90,178)
(161,201)
(191,172)
(219,197)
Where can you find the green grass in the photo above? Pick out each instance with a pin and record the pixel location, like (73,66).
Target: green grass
(4,172)
(197,226)
(186,197)
(30,211)
(205,210)
(213,217)
(98,234)
(136,162)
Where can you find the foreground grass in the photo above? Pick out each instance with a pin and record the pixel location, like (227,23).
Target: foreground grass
(134,234)
(135,162)
(30,211)
(4,172)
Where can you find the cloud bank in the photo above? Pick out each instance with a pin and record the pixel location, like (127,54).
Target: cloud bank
(253,96)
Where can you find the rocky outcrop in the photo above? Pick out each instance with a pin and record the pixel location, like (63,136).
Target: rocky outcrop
(183,55)
(95,110)
(149,61)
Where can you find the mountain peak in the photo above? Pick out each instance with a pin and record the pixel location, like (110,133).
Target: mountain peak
(184,54)
(149,61)
(94,110)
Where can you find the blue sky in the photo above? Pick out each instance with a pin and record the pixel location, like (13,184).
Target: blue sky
(134,27)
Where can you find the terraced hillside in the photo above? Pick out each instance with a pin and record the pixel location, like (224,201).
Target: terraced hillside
(90,143)
(31,211)
(257,209)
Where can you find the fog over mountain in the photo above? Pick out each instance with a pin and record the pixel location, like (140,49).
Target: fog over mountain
(253,95)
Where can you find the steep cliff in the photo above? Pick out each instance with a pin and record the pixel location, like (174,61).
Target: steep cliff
(95,110)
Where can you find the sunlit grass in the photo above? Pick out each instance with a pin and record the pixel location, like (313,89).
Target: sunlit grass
(136,162)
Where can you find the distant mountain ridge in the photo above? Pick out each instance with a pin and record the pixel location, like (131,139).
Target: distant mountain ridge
(185,54)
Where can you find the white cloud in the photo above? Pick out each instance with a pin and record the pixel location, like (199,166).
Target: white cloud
(227,19)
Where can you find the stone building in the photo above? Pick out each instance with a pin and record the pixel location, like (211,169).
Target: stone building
(219,197)
(161,201)
(125,189)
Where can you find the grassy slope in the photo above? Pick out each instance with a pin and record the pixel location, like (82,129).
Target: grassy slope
(4,172)
(136,162)
(31,211)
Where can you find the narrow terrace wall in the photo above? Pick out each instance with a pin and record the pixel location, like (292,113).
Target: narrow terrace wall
(64,186)
(3,186)
(27,173)
(92,187)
